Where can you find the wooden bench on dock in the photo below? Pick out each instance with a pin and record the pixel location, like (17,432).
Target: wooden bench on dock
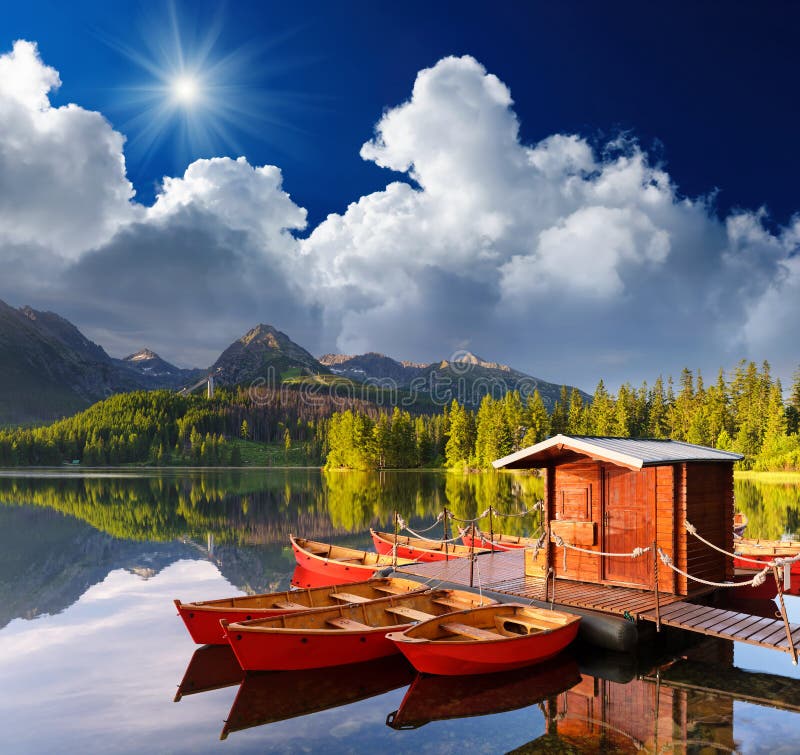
(465,630)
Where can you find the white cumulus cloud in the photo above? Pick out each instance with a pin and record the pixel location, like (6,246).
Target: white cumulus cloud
(564,258)
(62,172)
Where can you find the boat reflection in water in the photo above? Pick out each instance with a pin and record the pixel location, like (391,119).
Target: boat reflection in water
(686,705)
(265,697)
(438,698)
(211,667)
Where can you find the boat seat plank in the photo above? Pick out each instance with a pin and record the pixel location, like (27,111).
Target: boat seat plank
(465,630)
(449,603)
(347,624)
(349,560)
(409,613)
(287,604)
(389,590)
(349,597)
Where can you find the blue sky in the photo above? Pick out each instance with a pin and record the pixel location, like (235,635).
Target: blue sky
(698,97)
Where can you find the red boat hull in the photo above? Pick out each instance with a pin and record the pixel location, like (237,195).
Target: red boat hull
(204,626)
(740,563)
(482,542)
(292,651)
(331,572)
(409,551)
(462,658)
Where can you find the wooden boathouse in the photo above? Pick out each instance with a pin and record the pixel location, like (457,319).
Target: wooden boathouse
(613,495)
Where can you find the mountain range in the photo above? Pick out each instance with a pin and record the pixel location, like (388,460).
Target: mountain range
(49,369)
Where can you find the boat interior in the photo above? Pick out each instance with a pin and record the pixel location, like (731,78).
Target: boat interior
(298,600)
(493,623)
(357,617)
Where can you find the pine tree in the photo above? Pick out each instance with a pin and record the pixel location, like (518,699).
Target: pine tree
(602,411)
(558,417)
(537,420)
(657,422)
(576,414)
(793,408)
(460,445)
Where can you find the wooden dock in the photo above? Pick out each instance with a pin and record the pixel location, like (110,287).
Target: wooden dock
(505,573)
(729,625)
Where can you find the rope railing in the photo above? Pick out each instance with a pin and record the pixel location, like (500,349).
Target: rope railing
(779,562)
(758,579)
(538,506)
(468,521)
(427,529)
(635,553)
(498,544)
(494,512)
(430,539)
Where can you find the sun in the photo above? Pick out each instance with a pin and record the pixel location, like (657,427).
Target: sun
(199,96)
(185,90)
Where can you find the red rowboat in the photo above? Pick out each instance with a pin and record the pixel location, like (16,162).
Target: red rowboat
(439,698)
(485,640)
(765,551)
(202,618)
(474,537)
(267,697)
(419,549)
(339,565)
(211,667)
(336,636)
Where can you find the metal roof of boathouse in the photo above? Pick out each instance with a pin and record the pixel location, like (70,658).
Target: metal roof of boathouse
(634,453)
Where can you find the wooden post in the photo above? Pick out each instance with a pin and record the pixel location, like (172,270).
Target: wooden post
(789,639)
(444,535)
(396,535)
(491,530)
(655,585)
(472,557)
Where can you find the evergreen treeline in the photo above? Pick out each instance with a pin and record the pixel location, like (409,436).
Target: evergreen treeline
(161,427)
(398,441)
(745,413)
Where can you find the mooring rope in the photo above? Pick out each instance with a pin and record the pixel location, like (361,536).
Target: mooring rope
(692,530)
(758,579)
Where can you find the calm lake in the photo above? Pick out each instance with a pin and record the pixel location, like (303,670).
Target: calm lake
(92,652)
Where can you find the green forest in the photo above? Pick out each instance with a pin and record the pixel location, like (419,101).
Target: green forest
(744,412)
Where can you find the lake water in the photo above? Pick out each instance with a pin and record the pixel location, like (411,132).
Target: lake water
(92,653)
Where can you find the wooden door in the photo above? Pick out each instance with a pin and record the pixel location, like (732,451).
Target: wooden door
(629,511)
